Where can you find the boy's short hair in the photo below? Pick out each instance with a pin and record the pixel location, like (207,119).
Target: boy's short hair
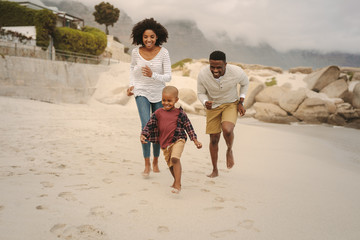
(218,55)
(172,90)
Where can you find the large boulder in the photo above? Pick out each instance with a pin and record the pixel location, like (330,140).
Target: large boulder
(187,95)
(291,100)
(356,96)
(253,90)
(315,110)
(269,112)
(270,95)
(321,78)
(336,89)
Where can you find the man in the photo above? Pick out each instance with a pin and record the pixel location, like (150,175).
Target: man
(217,89)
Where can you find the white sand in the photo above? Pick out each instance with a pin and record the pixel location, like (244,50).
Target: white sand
(73,172)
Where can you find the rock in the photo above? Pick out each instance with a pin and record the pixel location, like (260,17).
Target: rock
(315,110)
(291,100)
(269,112)
(346,111)
(253,90)
(270,95)
(356,76)
(323,96)
(305,70)
(187,108)
(356,96)
(320,79)
(336,89)
(337,120)
(354,124)
(187,95)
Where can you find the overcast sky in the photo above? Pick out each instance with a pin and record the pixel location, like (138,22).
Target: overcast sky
(325,25)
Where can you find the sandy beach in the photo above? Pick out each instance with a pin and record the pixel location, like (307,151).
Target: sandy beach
(74,172)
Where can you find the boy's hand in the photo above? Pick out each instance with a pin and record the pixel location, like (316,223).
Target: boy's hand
(143,139)
(197,144)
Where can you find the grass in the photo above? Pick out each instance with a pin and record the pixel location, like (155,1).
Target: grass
(271,82)
(181,63)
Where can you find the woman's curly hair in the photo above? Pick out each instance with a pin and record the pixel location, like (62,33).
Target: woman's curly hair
(149,24)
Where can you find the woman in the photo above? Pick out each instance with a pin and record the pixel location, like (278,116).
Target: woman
(150,69)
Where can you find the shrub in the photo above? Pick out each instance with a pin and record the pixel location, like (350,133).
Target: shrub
(45,22)
(89,40)
(13,14)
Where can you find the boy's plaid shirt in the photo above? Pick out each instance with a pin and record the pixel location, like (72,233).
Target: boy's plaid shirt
(151,130)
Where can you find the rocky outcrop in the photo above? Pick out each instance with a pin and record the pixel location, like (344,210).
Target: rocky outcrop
(320,79)
(253,90)
(270,95)
(291,100)
(269,112)
(187,95)
(336,89)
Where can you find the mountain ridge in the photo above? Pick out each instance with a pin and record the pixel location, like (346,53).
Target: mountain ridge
(186,40)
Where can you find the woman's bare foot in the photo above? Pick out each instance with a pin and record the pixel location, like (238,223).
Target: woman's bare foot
(156,168)
(147,170)
(229,159)
(214,173)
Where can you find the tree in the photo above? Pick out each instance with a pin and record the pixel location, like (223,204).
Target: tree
(105,13)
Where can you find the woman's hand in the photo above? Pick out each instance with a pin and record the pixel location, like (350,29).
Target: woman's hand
(146,71)
(197,144)
(129,91)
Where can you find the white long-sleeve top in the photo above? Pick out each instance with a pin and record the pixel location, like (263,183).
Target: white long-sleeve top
(223,90)
(150,87)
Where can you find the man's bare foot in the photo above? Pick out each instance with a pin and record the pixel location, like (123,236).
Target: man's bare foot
(156,168)
(176,189)
(214,174)
(229,159)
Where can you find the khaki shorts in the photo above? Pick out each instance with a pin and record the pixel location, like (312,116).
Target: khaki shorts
(226,112)
(173,151)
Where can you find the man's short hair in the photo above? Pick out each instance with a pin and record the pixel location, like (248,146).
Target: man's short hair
(218,55)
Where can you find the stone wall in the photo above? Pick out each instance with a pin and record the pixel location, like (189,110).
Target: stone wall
(50,81)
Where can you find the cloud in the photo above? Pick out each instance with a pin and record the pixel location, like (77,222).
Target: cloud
(324,25)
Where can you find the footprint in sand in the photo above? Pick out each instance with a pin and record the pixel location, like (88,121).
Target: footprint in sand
(210,183)
(67,196)
(240,207)
(213,208)
(248,224)
(47,184)
(100,212)
(41,207)
(78,232)
(1,207)
(205,190)
(221,234)
(219,199)
(163,229)
(107,180)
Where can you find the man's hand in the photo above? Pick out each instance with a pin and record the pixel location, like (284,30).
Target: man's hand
(143,139)
(197,144)
(129,91)
(241,109)
(208,104)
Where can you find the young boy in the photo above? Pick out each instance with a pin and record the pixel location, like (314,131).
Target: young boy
(167,127)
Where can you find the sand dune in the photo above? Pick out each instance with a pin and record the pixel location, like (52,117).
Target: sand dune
(74,172)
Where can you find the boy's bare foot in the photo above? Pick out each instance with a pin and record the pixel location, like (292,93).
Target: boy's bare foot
(156,168)
(214,174)
(229,159)
(175,189)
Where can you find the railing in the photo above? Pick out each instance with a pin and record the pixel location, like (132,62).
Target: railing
(21,50)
